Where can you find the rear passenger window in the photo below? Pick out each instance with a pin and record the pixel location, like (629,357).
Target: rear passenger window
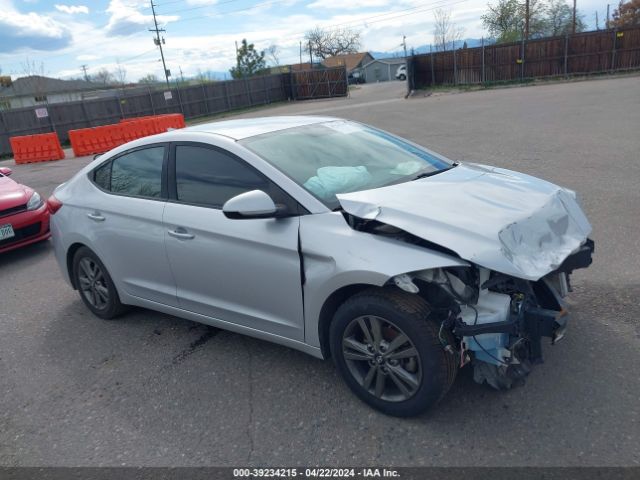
(209,177)
(102,176)
(138,173)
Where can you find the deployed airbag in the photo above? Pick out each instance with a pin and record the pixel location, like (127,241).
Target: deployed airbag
(330,180)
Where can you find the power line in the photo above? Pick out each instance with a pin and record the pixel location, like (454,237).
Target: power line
(181,10)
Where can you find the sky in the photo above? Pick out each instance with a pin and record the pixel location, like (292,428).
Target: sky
(56,38)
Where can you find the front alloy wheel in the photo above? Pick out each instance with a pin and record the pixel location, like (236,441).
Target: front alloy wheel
(388,351)
(382,359)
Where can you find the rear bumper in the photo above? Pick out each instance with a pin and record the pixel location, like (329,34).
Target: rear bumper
(29,227)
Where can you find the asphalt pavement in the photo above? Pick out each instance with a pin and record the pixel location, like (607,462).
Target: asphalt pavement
(154,390)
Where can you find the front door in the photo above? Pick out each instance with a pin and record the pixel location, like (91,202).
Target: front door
(246,271)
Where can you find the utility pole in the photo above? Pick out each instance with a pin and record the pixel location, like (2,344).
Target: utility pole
(606,25)
(181,74)
(84,70)
(573,28)
(158,42)
(597,23)
(310,56)
(404,44)
(526,20)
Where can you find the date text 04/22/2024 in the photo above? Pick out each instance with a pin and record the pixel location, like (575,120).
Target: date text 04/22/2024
(315,473)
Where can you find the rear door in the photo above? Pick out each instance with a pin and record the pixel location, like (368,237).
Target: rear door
(246,272)
(125,220)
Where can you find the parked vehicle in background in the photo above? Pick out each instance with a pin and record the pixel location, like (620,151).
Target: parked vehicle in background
(334,238)
(355,78)
(401,72)
(24,216)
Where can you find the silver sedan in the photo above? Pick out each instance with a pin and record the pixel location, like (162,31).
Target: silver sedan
(334,238)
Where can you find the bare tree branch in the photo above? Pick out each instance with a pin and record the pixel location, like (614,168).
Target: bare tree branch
(445,32)
(329,43)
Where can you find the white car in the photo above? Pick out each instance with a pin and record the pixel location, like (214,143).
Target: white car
(334,238)
(401,72)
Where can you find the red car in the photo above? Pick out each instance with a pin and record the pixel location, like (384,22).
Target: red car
(24,215)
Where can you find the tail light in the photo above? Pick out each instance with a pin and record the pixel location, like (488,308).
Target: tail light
(54,204)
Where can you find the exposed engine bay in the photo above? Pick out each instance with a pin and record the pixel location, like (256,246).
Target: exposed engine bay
(492,321)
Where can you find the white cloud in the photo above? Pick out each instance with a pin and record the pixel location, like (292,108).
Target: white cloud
(347,5)
(87,58)
(30,30)
(71,9)
(126,18)
(202,2)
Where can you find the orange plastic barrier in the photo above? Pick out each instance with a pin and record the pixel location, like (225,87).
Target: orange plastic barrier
(43,147)
(89,141)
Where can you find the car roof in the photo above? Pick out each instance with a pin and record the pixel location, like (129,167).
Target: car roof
(250,127)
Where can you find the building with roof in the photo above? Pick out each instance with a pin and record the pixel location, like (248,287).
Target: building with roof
(35,90)
(352,61)
(382,69)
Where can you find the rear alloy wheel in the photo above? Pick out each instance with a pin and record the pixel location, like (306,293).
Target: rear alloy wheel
(95,285)
(389,353)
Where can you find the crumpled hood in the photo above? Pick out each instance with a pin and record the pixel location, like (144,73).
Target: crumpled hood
(502,220)
(12,194)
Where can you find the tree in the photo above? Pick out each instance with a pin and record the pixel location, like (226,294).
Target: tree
(31,68)
(102,76)
(503,20)
(445,33)
(506,19)
(626,14)
(249,61)
(274,54)
(149,79)
(329,43)
(560,18)
(120,74)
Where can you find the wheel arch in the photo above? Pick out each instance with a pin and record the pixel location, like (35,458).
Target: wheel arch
(329,307)
(71,252)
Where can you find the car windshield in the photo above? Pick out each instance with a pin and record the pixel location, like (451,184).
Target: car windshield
(340,157)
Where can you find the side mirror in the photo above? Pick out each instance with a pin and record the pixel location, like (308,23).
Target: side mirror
(6,171)
(253,204)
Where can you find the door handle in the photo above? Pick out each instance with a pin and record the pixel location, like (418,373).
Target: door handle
(181,234)
(96,217)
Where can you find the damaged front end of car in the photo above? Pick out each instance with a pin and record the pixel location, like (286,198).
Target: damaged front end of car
(494,321)
(521,237)
(497,322)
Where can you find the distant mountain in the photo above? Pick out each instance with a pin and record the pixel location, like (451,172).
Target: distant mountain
(212,75)
(471,42)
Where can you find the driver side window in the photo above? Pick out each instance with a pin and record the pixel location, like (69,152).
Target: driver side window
(209,177)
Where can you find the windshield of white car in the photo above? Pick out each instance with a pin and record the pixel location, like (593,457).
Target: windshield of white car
(340,156)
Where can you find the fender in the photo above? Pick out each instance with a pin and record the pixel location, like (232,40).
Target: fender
(334,257)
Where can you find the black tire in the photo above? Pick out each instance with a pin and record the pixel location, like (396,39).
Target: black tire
(105,308)
(402,77)
(410,315)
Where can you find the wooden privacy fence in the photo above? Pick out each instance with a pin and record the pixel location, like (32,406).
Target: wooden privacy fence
(578,54)
(325,83)
(193,101)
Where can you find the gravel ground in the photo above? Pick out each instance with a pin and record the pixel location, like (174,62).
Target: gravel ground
(155,390)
